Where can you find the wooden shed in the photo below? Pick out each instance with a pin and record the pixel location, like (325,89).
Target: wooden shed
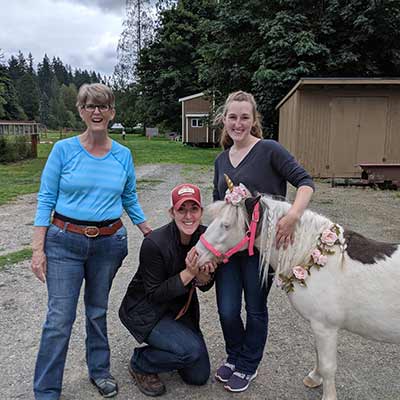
(332,124)
(196,110)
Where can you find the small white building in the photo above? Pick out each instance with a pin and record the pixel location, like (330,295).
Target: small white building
(117,125)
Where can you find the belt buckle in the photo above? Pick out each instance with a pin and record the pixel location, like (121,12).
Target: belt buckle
(87,231)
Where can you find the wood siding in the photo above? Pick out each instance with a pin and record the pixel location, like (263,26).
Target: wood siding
(332,129)
(288,122)
(196,108)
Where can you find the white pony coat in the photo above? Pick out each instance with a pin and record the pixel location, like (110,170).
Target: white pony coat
(363,298)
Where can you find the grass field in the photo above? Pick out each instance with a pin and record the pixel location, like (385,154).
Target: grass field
(15,257)
(24,177)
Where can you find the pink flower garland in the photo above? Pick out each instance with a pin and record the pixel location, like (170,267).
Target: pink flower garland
(318,258)
(237,194)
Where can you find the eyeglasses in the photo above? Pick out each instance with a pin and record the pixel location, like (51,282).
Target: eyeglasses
(101,107)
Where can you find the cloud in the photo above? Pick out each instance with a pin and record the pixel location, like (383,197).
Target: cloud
(115,6)
(83,37)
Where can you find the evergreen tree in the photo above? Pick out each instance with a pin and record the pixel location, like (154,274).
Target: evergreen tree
(2,85)
(11,107)
(60,71)
(29,95)
(45,77)
(2,94)
(68,99)
(168,68)
(31,69)
(17,67)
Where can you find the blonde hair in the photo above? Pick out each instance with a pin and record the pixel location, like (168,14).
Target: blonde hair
(97,92)
(256,130)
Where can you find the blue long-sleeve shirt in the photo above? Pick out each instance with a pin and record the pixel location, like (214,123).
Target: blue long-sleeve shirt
(266,168)
(80,186)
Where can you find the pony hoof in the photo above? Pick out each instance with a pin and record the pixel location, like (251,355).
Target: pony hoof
(309,382)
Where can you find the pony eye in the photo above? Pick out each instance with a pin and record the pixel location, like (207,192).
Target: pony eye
(225,225)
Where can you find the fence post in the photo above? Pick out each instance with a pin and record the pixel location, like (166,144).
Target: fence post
(34,142)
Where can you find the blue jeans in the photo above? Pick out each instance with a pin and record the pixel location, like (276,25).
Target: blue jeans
(72,258)
(244,344)
(174,345)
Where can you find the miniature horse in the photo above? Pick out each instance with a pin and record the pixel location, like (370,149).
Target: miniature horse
(334,278)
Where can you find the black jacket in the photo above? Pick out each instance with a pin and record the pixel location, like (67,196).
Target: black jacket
(156,289)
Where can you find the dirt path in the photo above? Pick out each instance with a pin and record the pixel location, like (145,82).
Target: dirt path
(367,370)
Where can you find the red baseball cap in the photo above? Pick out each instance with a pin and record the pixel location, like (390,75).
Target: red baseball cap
(185,192)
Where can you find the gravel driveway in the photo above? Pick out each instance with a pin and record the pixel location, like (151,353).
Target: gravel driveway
(366,370)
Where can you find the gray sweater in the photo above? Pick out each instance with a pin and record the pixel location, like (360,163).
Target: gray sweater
(265,169)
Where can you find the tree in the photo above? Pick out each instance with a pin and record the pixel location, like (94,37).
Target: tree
(17,67)
(68,98)
(338,38)
(265,47)
(2,85)
(168,67)
(2,95)
(60,71)
(45,77)
(138,29)
(9,105)
(29,96)
(126,105)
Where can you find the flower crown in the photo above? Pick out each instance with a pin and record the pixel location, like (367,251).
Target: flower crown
(236,195)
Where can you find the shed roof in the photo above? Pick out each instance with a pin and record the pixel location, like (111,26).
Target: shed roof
(337,81)
(193,96)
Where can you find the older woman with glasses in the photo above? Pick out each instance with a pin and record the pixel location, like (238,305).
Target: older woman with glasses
(87,182)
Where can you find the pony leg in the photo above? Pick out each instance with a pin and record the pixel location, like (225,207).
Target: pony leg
(326,346)
(314,378)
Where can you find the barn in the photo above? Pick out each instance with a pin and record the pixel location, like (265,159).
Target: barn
(333,124)
(196,111)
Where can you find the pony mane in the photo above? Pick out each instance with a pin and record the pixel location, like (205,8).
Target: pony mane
(306,234)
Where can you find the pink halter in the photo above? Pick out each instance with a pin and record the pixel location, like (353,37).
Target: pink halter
(250,237)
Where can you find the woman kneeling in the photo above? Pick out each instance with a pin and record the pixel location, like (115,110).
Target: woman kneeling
(161,307)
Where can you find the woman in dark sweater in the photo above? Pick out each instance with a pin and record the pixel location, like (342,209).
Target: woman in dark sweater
(263,166)
(161,307)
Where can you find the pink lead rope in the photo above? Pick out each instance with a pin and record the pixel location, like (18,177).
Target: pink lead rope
(249,237)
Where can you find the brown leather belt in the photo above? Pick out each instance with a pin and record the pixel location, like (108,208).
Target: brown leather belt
(89,231)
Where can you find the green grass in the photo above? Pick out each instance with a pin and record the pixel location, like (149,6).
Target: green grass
(24,177)
(164,151)
(20,178)
(15,257)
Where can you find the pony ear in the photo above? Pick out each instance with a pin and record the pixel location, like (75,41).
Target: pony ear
(245,189)
(250,203)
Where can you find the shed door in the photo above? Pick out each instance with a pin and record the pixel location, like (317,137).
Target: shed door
(358,128)
(372,133)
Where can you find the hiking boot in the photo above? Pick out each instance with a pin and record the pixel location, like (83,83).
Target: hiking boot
(239,382)
(148,384)
(107,387)
(224,372)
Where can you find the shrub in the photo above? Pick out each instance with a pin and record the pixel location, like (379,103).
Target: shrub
(14,148)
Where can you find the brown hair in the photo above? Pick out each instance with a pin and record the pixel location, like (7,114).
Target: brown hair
(256,130)
(97,92)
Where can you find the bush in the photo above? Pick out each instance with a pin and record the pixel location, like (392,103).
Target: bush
(14,148)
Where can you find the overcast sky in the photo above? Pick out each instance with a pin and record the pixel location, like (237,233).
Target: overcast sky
(83,33)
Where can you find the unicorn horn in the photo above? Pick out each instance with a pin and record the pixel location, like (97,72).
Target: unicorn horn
(229,183)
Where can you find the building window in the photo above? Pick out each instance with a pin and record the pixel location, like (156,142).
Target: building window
(197,123)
